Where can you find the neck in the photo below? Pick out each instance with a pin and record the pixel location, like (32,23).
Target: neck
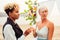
(12,19)
(44,20)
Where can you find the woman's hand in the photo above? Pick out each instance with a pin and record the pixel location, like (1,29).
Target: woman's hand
(28,31)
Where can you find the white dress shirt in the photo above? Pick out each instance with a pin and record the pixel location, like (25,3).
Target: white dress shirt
(10,34)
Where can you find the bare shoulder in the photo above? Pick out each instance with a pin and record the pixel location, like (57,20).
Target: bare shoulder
(51,25)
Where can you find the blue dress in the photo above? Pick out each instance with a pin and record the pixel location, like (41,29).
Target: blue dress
(42,34)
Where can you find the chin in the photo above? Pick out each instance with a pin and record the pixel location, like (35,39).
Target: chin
(43,17)
(16,18)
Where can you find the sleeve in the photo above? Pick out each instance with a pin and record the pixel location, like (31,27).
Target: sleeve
(9,32)
(21,38)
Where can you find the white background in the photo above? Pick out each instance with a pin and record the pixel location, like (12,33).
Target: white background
(52,5)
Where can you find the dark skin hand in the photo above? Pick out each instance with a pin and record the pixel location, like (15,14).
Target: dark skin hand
(28,31)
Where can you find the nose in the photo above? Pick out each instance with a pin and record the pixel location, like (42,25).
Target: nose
(19,14)
(44,12)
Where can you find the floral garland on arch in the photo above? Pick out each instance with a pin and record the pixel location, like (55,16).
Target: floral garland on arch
(32,8)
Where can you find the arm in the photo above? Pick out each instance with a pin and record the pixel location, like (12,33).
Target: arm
(34,33)
(50,32)
(28,31)
(9,33)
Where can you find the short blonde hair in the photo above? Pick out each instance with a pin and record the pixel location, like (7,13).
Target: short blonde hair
(10,7)
(42,8)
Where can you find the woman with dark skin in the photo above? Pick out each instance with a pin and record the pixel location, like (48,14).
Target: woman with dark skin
(11,30)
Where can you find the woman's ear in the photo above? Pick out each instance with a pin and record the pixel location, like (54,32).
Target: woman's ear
(9,14)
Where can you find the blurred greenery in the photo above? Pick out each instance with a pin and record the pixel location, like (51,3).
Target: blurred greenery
(32,15)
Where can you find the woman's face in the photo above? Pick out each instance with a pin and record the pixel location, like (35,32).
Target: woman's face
(15,13)
(43,12)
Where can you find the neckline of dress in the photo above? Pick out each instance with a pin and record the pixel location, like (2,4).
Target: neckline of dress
(42,28)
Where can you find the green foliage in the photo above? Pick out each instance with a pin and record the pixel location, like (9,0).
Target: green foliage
(32,15)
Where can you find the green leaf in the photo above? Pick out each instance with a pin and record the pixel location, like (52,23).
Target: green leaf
(22,13)
(26,2)
(31,23)
(25,11)
(29,6)
(35,3)
(29,1)
(29,18)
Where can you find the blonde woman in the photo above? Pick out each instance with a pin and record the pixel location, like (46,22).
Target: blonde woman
(44,28)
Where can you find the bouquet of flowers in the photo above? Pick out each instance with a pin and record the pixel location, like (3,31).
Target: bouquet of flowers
(32,8)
